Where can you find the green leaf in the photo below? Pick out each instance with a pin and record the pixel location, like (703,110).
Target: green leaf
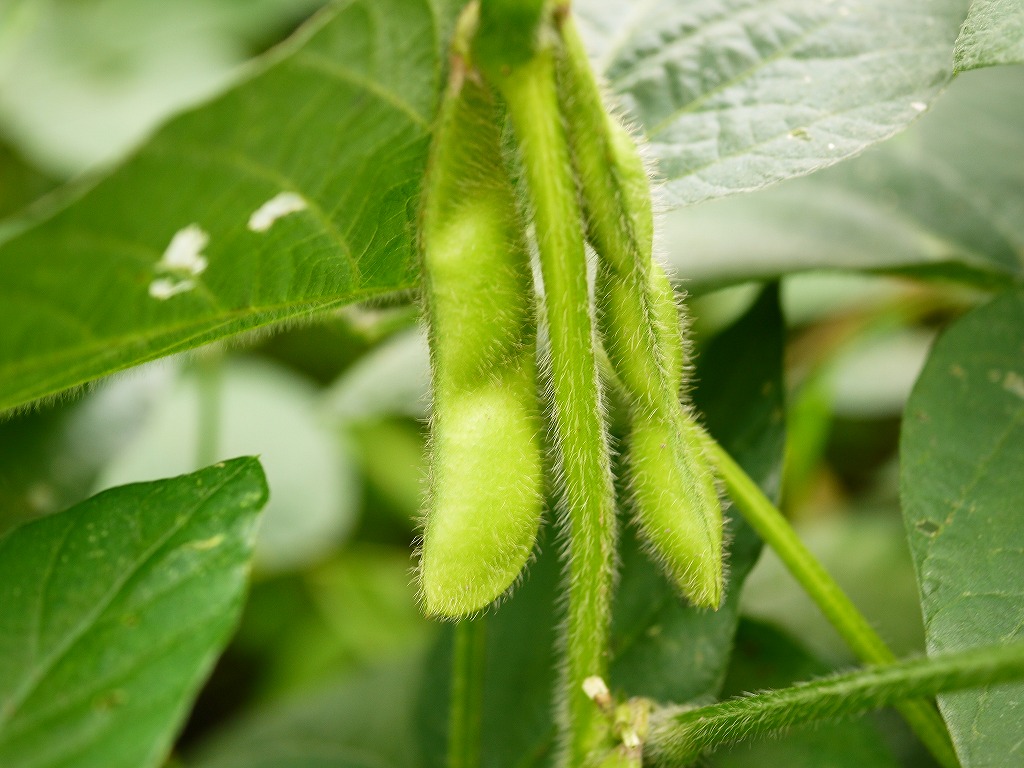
(945,200)
(993,34)
(361,722)
(392,379)
(114,612)
(962,453)
(737,94)
(767,658)
(339,117)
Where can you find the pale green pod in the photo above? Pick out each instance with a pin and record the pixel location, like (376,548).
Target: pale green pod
(670,324)
(485,504)
(486,469)
(672,486)
(622,757)
(677,506)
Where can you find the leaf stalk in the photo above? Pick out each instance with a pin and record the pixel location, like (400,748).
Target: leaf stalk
(678,737)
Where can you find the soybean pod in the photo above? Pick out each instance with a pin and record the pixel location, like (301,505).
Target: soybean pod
(677,506)
(486,469)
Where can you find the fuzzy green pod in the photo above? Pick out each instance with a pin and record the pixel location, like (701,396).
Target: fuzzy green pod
(486,469)
(622,757)
(677,505)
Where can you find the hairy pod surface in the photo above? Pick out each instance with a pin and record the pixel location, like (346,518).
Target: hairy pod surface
(676,501)
(485,496)
(671,483)
(622,757)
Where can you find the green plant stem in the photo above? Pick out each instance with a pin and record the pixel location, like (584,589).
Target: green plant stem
(840,611)
(210,375)
(679,737)
(466,710)
(582,441)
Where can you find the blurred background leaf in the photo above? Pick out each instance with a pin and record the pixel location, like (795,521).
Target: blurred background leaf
(84,81)
(362,723)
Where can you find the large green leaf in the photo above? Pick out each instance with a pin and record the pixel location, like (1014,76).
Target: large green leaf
(114,612)
(946,199)
(339,117)
(962,456)
(993,34)
(661,647)
(736,94)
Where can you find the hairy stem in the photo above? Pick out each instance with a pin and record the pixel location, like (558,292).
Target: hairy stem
(679,737)
(466,708)
(581,438)
(840,611)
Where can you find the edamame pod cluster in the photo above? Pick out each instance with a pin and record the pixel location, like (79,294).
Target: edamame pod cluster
(487,472)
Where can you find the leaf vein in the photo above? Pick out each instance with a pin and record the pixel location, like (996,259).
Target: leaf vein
(331,68)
